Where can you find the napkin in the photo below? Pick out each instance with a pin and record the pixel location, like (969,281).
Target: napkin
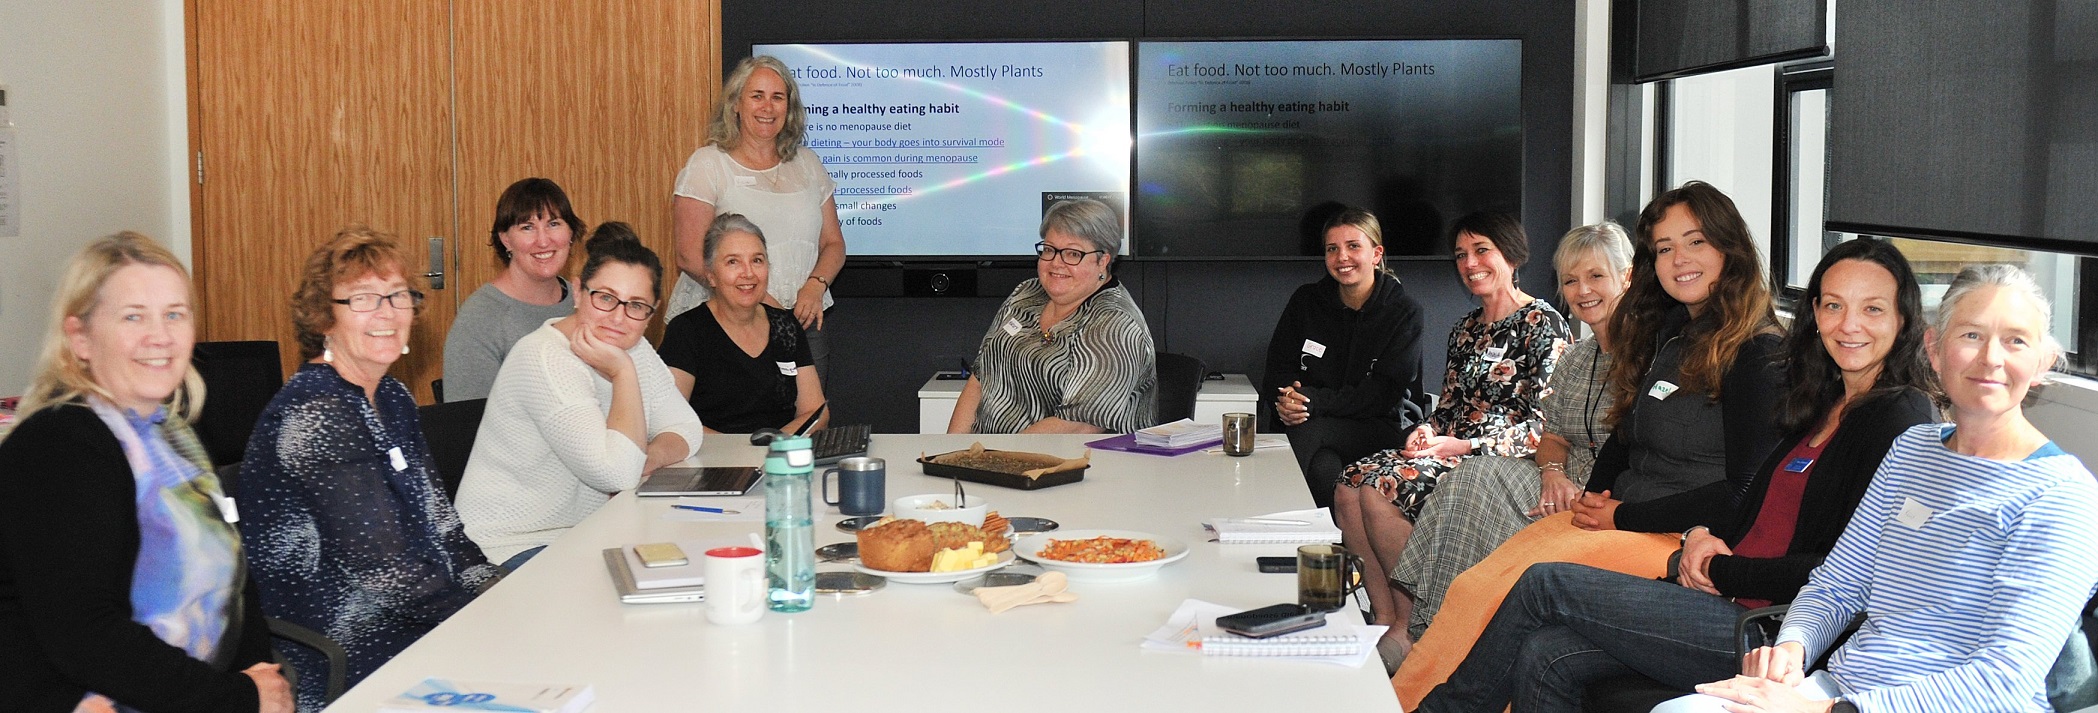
(1047,588)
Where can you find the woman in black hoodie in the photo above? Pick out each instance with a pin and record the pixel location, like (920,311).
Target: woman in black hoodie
(1344,364)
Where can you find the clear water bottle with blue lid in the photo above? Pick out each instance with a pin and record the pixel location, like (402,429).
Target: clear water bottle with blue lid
(790,538)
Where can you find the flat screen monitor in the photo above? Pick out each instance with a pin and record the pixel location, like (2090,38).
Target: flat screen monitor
(952,149)
(1240,145)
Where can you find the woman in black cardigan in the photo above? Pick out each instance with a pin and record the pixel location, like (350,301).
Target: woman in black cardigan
(1344,365)
(1858,379)
(121,578)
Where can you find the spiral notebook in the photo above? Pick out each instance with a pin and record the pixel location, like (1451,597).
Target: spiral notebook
(1308,643)
(1295,527)
(1192,629)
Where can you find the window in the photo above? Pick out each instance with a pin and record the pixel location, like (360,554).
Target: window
(1720,133)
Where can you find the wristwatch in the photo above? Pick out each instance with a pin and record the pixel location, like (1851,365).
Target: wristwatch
(1685,540)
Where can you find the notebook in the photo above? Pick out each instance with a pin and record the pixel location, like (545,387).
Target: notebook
(440,694)
(1277,528)
(632,593)
(688,480)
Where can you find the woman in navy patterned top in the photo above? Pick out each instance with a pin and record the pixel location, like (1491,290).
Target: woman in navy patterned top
(347,530)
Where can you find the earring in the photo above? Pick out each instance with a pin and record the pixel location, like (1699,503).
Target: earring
(327,351)
(404,348)
(1103,277)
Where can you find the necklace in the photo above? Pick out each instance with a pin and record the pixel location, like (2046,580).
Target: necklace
(1595,395)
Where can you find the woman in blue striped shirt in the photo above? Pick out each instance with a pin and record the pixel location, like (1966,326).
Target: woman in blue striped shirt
(1969,555)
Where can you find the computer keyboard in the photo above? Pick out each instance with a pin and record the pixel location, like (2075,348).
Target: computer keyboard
(840,442)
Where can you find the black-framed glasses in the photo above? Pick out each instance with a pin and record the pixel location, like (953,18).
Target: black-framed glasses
(605,301)
(1049,252)
(370,301)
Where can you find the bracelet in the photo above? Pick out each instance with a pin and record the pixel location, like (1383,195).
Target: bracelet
(1685,541)
(819,278)
(1551,465)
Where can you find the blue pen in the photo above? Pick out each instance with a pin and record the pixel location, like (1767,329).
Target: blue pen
(700,508)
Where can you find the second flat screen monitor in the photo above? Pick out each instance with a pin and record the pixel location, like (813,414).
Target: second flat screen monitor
(1238,141)
(945,149)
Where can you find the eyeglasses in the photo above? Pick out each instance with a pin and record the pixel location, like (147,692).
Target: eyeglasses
(605,301)
(1071,257)
(370,301)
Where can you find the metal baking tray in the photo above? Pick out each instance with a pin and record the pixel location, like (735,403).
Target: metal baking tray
(1003,480)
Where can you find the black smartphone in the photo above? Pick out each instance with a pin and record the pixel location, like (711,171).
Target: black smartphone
(1277,565)
(1271,620)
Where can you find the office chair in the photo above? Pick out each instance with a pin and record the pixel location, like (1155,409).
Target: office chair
(240,378)
(450,428)
(1179,380)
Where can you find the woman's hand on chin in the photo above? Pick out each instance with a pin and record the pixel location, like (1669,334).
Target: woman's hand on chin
(608,360)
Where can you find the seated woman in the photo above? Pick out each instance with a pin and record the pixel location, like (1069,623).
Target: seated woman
(1857,378)
(120,576)
(1499,358)
(534,228)
(743,364)
(348,530)
(581,410)
(1693,383)
(1344,363)
(1488,499)
(1970,554)
(1068,352)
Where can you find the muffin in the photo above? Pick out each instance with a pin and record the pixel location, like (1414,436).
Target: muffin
(898,546)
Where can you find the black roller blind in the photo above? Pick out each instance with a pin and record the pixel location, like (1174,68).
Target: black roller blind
(1675,38)
(1967,120)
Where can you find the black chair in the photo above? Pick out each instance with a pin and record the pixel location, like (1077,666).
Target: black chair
(1179,380)
(338,659)
(240,378)
(229,479)
(450,428)
(437,390)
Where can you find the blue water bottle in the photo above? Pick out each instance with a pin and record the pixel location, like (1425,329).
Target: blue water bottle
(790,540)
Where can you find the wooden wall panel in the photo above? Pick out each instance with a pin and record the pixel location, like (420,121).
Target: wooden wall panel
(311,115)
(605,99)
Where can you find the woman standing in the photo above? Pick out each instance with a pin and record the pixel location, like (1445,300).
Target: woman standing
(1500,356)
(120,575)
(743,364)
(1970,554)
(754,164)
(348,529)
(1344,363)
(1488,499)
(534,229)
(582,409)
(1069,351)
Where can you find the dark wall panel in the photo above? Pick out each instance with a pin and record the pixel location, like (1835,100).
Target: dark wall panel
(1683,37)
(1222,312)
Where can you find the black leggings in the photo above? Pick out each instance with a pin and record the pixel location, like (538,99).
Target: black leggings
(1326,444)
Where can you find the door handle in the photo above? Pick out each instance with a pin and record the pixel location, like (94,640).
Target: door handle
(436,273)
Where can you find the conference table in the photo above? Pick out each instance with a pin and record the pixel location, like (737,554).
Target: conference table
(907,647)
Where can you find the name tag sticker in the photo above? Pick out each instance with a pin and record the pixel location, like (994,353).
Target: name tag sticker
(746,181)
(1661,390)
(1913,514)
(787,368)
(1314,348)
(1495,353)
(400,462)
(1798,465)
(1012,327)
(227,509)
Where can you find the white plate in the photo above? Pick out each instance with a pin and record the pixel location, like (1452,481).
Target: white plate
(1032,544)
(1004,558)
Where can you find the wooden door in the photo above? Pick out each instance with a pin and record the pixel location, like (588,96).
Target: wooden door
(310,115)
(606,99)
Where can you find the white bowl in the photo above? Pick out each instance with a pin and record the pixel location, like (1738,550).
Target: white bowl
(1030,547)
(914,507)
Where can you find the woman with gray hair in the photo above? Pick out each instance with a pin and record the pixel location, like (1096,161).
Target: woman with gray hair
(753,164)
(1068,352)
(743,364)
(1487,499)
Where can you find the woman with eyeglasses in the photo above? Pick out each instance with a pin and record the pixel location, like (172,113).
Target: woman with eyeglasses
(581,410)
(1068,352)
(347,527)
(743,364)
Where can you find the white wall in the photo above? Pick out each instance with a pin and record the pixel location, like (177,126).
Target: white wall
(96,92)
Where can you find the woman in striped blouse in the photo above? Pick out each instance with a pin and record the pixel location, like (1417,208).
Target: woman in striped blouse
(1969,555)
(1069,351)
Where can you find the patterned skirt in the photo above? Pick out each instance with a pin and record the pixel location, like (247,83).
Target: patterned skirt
(1406,482)
(1476,507)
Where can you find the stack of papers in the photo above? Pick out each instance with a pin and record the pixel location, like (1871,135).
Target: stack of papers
(1294,527)
(1180,434)
(1193,629)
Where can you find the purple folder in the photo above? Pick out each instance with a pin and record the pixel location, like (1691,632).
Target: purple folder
(1127,442)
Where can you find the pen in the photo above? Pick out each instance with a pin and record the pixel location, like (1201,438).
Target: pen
(702,508)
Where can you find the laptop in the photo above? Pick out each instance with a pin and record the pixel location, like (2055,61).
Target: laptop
(701,480)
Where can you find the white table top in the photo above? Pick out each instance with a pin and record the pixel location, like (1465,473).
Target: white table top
(907,647)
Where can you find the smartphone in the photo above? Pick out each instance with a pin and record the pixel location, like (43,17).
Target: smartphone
(660,554)
(1272,620)
(1277,565)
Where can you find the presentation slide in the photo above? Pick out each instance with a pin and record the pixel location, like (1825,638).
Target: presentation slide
(1238,141)
(955,149)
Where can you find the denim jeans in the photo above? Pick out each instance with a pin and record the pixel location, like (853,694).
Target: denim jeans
(1565,625)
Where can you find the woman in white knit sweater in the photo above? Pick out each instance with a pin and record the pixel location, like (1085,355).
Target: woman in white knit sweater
(581,409)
